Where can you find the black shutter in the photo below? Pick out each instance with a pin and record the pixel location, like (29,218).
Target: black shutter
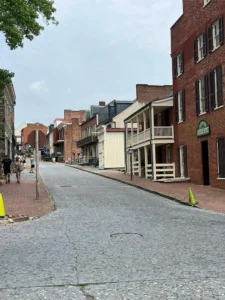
(181,62)
(221,34)
(221,157)
(185,162)
(206,93)
(197,97)
(204,44)
(175,66)
(176,107)
(183,105)
(210,39)
(195,50)
(212,89)
(178,162)
(219,82)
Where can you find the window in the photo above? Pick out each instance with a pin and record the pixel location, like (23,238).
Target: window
(200,50)
(216,88)
(206,2)
(215,35)
(180,106)
(182,161)
(178,65)
(201,90)
(221,157)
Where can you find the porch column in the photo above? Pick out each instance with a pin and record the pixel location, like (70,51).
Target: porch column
(144,120)
(132,128)
(153,162)
(146,160)
(152,121)
(139,162)
(137,124)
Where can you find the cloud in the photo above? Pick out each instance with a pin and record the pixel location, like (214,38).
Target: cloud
(39,87)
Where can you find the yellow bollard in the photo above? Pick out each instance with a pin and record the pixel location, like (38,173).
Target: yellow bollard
(2,208)
(192,200)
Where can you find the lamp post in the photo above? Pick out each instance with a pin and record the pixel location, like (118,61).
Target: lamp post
(131,150)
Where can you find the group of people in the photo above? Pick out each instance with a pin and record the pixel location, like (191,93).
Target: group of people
(17,166)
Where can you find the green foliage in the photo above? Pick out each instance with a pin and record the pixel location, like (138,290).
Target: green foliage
(5,78)
(20,19)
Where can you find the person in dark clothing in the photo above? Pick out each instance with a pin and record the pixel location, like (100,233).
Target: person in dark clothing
(7,168)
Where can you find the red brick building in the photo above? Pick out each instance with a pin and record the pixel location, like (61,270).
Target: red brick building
(67,133)
(198,54)
(27,137)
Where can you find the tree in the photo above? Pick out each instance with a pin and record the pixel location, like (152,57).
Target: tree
(21,19)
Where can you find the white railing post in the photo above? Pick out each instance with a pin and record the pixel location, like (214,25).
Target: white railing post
(139,162)
(146,161)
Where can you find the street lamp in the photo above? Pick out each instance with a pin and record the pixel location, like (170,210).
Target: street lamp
(131,151)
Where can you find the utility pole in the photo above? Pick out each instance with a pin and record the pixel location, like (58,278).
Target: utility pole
(37,164)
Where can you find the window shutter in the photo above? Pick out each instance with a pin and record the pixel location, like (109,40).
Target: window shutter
(204,44)
(185,162)
(195,50)
(206,93)
(182,62)
(175,66)
(178,162)
(197,97)
(183,105)
(221,157)
(210,39)
(221,30)
(212,89)
(219,84)
(176,107)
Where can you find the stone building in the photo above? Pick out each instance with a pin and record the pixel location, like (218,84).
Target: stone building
(7,138)
(27,134)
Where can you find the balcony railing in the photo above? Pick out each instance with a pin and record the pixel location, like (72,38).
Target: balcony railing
(86,141)
(158,132)
(165,132)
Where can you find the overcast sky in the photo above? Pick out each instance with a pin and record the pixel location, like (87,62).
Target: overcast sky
(99,52)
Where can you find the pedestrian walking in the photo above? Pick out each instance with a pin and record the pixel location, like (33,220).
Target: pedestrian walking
(18,169)
(24,160)
(7,168)
(32,166)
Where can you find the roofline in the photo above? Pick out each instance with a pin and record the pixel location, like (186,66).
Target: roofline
(147,105)
(176,22)
(88,119)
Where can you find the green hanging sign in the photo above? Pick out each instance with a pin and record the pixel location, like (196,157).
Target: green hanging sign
(203,129)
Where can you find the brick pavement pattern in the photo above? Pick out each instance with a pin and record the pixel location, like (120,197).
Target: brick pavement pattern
(20,199)
(208,198)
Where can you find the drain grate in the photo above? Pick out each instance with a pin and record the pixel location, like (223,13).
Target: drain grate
(126,233)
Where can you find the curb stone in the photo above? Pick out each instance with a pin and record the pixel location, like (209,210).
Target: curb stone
(138,187)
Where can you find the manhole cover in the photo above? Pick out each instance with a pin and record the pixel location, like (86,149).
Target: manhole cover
(125,233)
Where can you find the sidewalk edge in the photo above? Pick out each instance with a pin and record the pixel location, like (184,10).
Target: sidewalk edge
(137,186)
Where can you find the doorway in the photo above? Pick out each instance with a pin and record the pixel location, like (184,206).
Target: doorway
(205,163)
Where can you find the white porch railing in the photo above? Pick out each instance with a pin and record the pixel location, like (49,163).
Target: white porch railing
(136,168)
(164,170)
(158,132)
(83,160)
(163,132)
(148,171)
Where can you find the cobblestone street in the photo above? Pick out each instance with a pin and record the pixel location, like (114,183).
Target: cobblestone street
(111,241)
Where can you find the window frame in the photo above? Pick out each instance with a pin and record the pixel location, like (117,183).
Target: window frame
(178,64)
(202,95)
(180,106)
(215,40)
(218,159)
(206,2)
(216,94)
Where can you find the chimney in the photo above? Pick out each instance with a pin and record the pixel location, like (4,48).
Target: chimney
(101,103)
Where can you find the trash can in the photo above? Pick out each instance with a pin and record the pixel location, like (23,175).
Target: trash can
(53,159)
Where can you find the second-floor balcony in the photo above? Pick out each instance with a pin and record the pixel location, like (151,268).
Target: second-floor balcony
(92,139)
(158,134)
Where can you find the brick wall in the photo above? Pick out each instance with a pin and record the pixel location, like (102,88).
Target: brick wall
(194,21)
(31,127)
(146,93)
(72,133)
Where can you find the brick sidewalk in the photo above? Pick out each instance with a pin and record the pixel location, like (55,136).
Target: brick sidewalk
(20,199)
(208,198)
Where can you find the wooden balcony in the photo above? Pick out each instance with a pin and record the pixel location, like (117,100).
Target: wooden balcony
(87,141)
(159,134)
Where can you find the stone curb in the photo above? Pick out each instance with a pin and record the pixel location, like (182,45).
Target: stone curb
(138,187)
